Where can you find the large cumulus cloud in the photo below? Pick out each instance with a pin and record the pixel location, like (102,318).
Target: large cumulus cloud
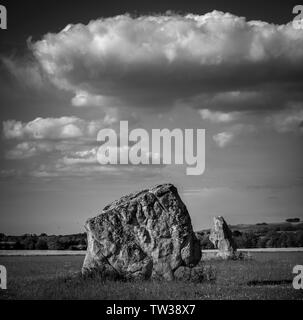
(154,61)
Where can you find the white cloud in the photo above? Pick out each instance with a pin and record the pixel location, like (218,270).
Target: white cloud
(21,151)
(64,146)
(222,139)
(85,99)
(35,148)
(52,128)
(155,60)
(81,157)
(13,129)
(27,72)
(225,138)
(218,117)
(287,120)
(59,137)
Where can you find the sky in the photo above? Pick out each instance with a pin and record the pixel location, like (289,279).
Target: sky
(71,68)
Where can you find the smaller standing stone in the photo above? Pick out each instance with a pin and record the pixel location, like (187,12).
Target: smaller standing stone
(221,237)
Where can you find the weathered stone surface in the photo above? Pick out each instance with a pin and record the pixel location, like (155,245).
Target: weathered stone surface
(221,237)
(142,235)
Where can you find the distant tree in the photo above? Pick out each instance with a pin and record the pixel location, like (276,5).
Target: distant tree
(247,240)
(29,243)
(283,241)
(291,240)
(293,220)
(53,243)
(287,227)
(299,226)
(262,242)
(41,244)
(299,239)
(206,243)
(18,246)
(83,241)
(66,242)
(263,231)
(254,240)
(272,239)
(240,242)
(43,235)
(237,233)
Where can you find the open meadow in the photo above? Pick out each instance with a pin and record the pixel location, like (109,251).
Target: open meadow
(263,276)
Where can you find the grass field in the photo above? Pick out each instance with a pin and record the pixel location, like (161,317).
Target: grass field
(265,276)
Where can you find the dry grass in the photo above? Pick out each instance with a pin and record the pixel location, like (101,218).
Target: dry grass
(266,276)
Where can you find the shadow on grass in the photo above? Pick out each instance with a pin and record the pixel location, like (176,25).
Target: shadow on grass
(268,282)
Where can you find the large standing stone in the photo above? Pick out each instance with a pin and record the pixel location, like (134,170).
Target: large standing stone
(142,235)
(221,237)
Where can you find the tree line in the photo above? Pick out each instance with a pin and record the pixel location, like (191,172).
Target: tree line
(284,236)
(44,242)
(261,235)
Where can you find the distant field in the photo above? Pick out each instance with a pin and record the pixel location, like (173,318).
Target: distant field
(4,253)
(266,276)
(41,253)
